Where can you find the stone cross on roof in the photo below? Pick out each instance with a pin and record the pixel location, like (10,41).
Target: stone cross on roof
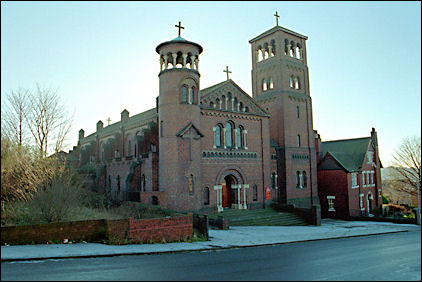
(276,16)
(180,27)
(227,72)
(108,120)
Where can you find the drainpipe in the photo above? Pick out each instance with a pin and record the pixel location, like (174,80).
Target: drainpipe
(262,165)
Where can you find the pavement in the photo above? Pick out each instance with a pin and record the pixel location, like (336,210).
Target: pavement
(235,237)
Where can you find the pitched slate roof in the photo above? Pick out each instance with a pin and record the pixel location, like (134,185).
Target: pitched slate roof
(136,120)
(349,153)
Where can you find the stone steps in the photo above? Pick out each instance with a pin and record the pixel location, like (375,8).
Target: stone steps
(261,217)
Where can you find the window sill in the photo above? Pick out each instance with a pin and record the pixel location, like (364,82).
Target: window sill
(332,210)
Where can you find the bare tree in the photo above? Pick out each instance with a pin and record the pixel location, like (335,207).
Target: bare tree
(13,116)
(407,166)
(48,121)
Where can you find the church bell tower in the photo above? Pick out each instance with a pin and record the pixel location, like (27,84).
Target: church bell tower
(280,84)
(179,122)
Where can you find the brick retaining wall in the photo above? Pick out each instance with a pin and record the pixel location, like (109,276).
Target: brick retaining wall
(122,230)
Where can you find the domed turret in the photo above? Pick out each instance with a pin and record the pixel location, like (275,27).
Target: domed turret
(179,120)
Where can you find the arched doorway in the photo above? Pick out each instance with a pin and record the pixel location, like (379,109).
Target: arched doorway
(229,194)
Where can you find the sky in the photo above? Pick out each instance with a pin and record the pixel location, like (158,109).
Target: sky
(364,58)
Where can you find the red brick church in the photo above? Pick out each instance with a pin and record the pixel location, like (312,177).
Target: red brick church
(218,147)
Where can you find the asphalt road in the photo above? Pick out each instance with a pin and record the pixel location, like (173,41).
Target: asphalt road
(380,257)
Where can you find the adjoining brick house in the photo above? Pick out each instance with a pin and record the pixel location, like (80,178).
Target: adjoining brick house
(349,177)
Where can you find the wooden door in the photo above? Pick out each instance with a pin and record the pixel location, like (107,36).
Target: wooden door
(226,195)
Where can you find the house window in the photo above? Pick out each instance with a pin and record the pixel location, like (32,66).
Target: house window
(354,180)
(367,178)
(206,196)
(372,178)
(370,157)
(184,94)
(363,179)
(330,200)
(361,202)
(255,192)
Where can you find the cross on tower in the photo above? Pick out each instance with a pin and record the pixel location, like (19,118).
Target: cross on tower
(179,27)
(227,72)
(108,119)
(276,17)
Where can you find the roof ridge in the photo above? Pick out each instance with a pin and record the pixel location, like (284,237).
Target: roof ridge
(349,139)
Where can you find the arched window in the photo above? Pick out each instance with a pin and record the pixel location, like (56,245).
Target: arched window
(190,183)
(206,196)
(304,181)
(109,181)
(118,182)
(286,47)
(241,106)
(239,137)
(247,109)
(298,140)
(143,182)
(223,102)
(260,55)
(229,135)
(297,179)
(291,83)
(297,112)
(264,84)
(255,192)
(292,46)
(271,83)
(191,96)
(297,49)
(184,94)
(211,104)
(297,86)
(273,184)
(235,104)
(218,136)
(154,200)
(218,103)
